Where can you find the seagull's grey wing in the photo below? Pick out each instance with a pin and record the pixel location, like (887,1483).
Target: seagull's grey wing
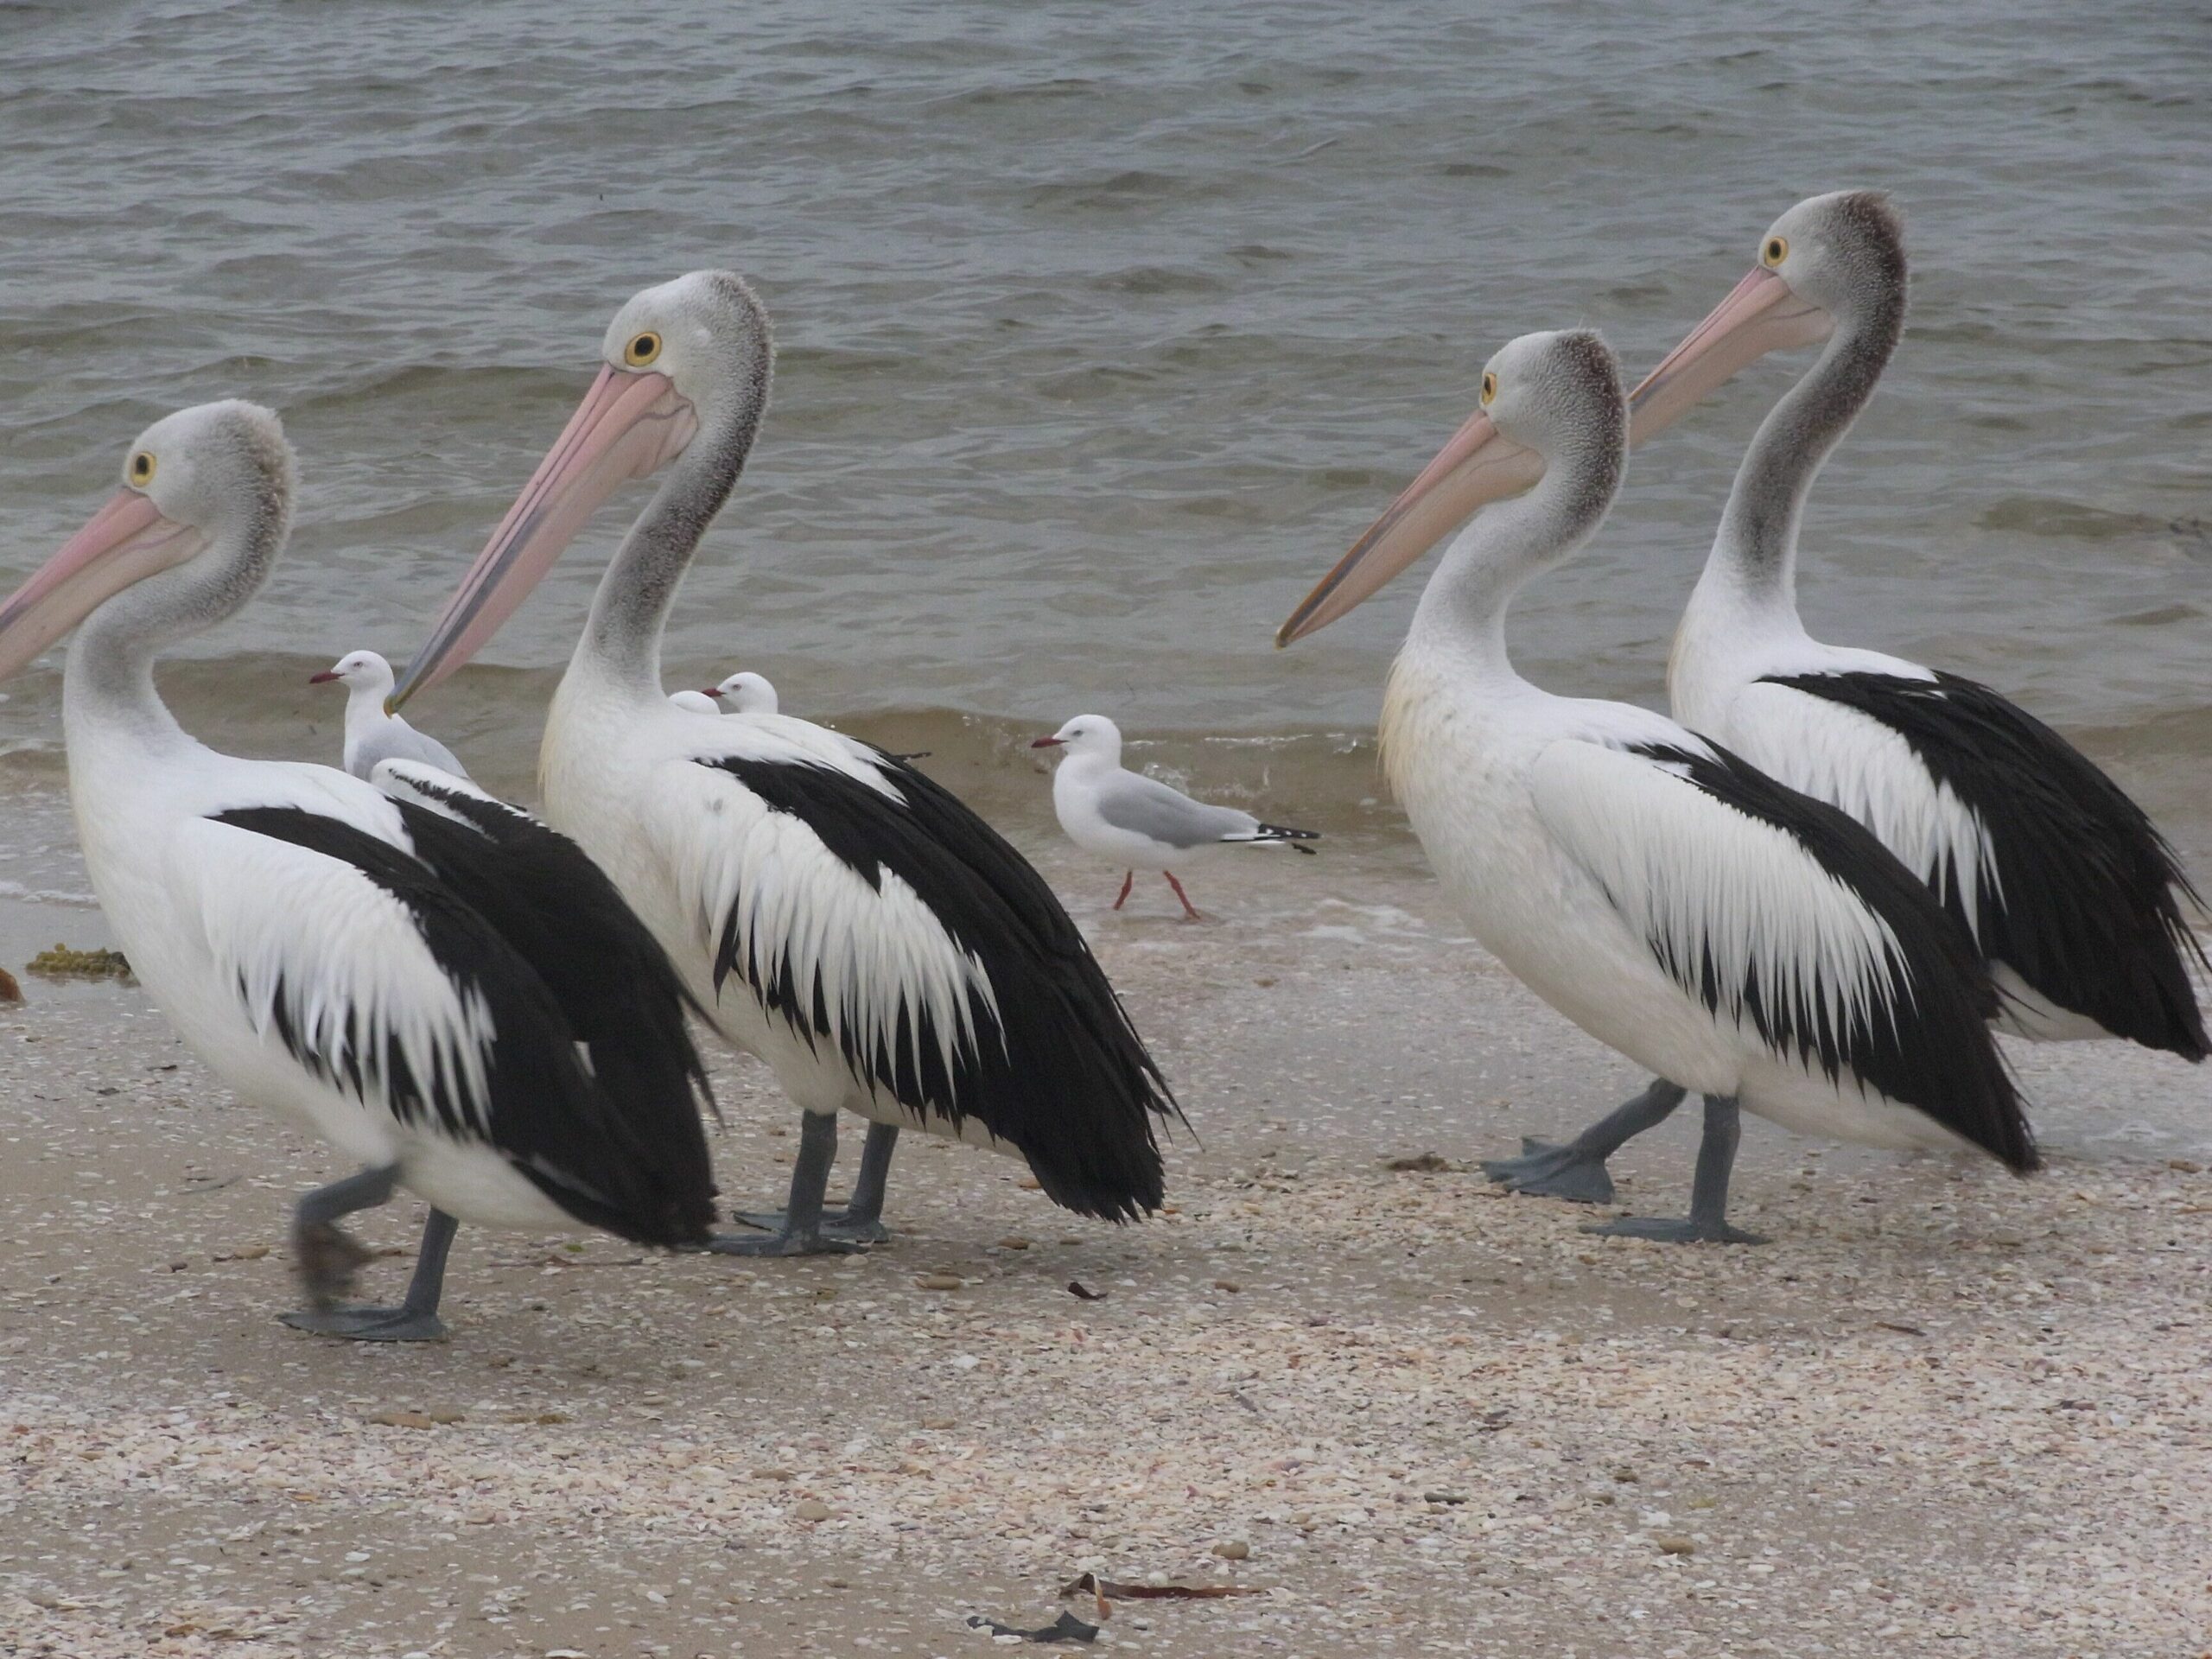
(395,740)
(1145,806)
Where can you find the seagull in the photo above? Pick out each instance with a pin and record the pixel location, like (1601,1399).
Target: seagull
(1138,822)
(371,735)
(833,910)
(445,990)
(746,693)
(1679,905)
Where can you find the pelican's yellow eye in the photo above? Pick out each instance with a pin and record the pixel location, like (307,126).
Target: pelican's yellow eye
(642,349)
(1490,387)
(141,468)
(1777,250)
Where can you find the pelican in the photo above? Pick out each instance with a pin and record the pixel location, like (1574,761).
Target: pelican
(746,693)
(833,910)
(1675,902)
(2074,899)
(372,733)
(1137,822)
(376,970)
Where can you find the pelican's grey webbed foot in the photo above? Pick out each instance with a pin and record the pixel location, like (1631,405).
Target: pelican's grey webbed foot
(800,1230)
(414,1319)
(1576,1172)
(1708,1216)
(324,1254)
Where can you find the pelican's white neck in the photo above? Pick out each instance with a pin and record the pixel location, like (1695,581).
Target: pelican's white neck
(107,684)
(620,646)
(1460,621)
(1753,564)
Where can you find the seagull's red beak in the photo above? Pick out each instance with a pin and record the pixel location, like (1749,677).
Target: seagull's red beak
(630,424)
(325,678)
(1048,743)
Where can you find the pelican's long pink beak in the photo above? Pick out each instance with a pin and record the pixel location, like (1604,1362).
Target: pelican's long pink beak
(629,423)
(126,541)
(1762,313)
(1479,465)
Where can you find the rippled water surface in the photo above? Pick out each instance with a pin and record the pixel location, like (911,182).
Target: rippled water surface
(1104,328)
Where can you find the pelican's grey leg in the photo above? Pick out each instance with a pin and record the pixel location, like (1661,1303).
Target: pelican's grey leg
(798,1230)
(324,1254)
(1577,1171)
(861,1222)
(415,1320)
(1708,1217)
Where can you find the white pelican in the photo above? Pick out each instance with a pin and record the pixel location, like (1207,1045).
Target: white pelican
(833,910)
(746,693)
(378,970)
(1745,940)
(372,733)
(1137,822)
(2074,897)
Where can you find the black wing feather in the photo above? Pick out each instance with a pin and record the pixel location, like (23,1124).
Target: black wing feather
(1936,1055)
(618,991)
(574,1137)
(2085,902)
(1059,1072)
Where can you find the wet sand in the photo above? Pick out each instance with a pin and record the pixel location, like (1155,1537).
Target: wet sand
(1942,1411)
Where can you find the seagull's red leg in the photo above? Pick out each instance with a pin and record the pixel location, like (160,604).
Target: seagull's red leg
(1128,881)
(1189,910)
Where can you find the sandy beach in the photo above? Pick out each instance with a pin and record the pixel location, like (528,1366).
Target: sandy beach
(1944,1411)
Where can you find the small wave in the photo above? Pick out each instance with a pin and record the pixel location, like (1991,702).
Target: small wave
(2043,515)
(44,895)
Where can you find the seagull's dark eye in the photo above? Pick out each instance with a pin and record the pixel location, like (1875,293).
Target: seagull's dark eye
(1777,250)
(1489,388)
(642,349)
(141,468)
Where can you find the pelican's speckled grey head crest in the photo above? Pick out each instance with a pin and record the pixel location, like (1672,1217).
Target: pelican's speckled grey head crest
(706,331)
(1845,253)
(203,466)
(1550,391)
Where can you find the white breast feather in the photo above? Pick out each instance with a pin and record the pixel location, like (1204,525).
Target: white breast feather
(280,919)
(1855,763)
(1685,870)
(873,949)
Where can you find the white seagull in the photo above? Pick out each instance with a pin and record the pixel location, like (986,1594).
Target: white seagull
(833,910)
(1736,936)
(387,970)
(1137,822)
(2074,899)
(746,693)
(373,735)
